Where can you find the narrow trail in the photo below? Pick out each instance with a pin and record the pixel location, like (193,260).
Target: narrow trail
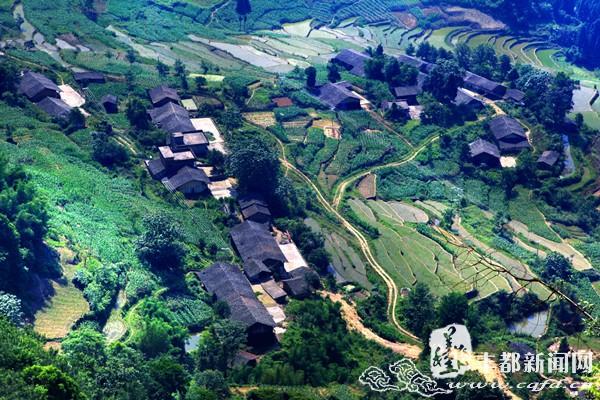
(390,127)
(341,189)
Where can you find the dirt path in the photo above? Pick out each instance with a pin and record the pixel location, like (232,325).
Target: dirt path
(390,127)
(341,189)
(355,323)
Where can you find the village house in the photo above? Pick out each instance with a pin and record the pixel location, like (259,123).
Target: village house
(483,86)
(515,95)
(275,291)
(339,97)
(466,100)
(548,159)
(423,66)
(196,142)
(54,107)
(302,283)
(399,105)
(253,241)
(172,118)
(175,160)
(87,77)
(161,95)
(254,208)
(110,102)
(352,61)
(227,283)
(188,180)
(257,271)
(484,152)
(408,94)
(509,134)
(37,87)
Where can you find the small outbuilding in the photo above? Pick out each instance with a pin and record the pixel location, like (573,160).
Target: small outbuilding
(257,271)
(466,100)
(254,208)
(484,152)
(423,66)
(87,77)
(548,159)
(408,94)
(275,291)
(282,102)
(110,102)
(509,134)
(195,141)
(483,86)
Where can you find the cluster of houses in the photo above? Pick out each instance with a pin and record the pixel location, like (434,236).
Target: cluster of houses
(178,165)
(338,95)
(59,100)
(269,268)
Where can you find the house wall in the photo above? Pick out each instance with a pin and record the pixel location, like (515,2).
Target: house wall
(193,188)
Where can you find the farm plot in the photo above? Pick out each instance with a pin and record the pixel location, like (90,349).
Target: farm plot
(409,256)
(262,119)
(345,259)
(63,309)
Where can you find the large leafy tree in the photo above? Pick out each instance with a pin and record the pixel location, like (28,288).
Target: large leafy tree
(418,310)
(161,243)
(444,80)
(255,165)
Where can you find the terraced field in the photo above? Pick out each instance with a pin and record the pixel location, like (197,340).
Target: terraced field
(410,256)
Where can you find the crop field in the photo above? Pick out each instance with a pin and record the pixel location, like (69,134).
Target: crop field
(522,209)
(409,256)
(63,309)
(93,209)
(345,259)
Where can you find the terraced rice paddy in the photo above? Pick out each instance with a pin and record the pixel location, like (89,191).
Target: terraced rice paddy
(409,256)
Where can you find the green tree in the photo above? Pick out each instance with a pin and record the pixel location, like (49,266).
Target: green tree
(168,376)
(9,76)
(452,309)
(131,56)
(444,80)
(161,243)
(418,310)
(243,8)
(106,151)
(136,114)
(220,345)
(556,266)
(311,77)
(162,69)
(181,72)
(10,308)
(255,165)
(52,383)
(333,72)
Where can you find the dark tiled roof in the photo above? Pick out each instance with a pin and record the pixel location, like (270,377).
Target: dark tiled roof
(251,199)
(109,99)
(254,242)
(483,84)
(419,64)
(255,209)
(254,269)
(513,147)
(273,290)
(160,93)
(33,83)
(463,98)
(334,94)
(549,157)
(505,126)
(407,91)
(481,146)
(297,287)
(55,107)
(184,176)
(88,76)
(228,284)
(172,118)
(156,167)
(515,95)
(353,60)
